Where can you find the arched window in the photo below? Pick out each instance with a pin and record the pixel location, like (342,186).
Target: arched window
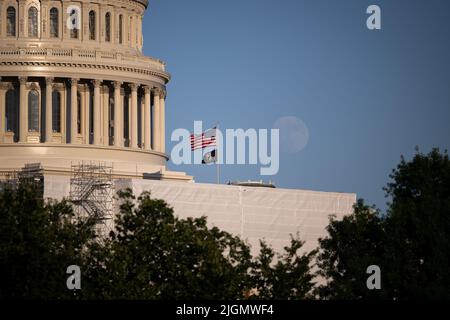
(92,25)
(78,113)
(56,111)
(33,22)
(11,21)
(12,107)
(54,27)
(33,111)
(108,27)
(120,29)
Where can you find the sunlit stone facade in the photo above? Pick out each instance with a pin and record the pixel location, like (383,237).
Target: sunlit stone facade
(68,94)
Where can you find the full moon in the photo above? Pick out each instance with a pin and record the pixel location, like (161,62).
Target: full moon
(294,134)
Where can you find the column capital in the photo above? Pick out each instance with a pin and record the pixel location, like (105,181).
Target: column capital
(74,81)
(23,80)
(96,83)
(117,84)
(49,81)
(6,85)
(147,90)
(133,86)
(157,91)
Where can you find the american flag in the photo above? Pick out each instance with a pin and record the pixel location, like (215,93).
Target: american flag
(206,139)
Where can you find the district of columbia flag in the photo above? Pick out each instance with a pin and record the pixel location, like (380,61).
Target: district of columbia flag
(206,139)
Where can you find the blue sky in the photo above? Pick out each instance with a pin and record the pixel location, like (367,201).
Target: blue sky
(366,97)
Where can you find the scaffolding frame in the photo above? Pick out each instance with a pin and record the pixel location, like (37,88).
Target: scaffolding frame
(91,190)
(31,173)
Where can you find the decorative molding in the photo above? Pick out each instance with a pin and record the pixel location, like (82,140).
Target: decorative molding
(164,76)
(33,86)
(49,80)
(6,85)
(157,91)
(133,86)
(23,80)
(59,86)
(117,84)
(96,83)
(83,87)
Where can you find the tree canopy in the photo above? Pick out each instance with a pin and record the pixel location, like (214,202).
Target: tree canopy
(153,254)
(410,243)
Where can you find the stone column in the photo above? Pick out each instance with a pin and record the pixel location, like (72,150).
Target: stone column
(147,117)
(118,115)
(97,106)
(134,117)
(23,111)
(82,91)
(156,120)
(73,111)
(63,118)
(87,115)
(2,110)
(106,115)
(162,105)
(48,110)
(142,120)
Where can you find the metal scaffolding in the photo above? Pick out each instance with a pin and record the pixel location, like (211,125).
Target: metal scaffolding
(91,191)
(31,173)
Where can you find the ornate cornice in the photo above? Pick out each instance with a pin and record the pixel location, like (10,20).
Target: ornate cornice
(140,71)
(143,2)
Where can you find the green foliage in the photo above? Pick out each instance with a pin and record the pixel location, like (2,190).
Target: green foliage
(419,227)
(38,242)
(287,278)
(353,244)
(154,255)
(411,243)
(151,254)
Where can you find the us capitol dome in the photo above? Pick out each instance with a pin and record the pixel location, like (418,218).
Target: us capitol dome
(81,94)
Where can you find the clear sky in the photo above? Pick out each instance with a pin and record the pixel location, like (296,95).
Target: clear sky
(366,97)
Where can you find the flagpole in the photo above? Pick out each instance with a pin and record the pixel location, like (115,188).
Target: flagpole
(217,155)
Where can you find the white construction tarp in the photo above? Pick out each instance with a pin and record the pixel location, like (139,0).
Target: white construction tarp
(253,213)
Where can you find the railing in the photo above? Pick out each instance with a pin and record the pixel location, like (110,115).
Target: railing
(83,55)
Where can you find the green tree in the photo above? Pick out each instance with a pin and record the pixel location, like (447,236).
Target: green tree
(353,243)
(38,241)
(152,254)
(410,243)
(288,277)
(418,226)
